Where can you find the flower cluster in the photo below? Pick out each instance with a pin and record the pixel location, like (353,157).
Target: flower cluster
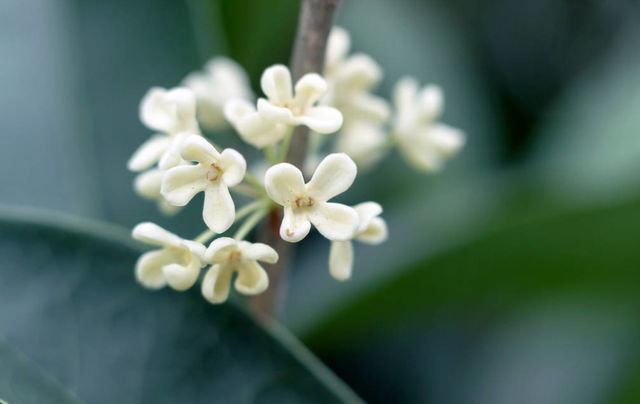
(179,161)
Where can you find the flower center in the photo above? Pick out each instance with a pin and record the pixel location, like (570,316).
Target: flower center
(214,173)
(235,256)
(304,202)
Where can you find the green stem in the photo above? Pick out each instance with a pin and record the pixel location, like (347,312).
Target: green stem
(240,214)
(245,190)
(270,153)
(253,181)
(205,236)
(284,147)
(250,223)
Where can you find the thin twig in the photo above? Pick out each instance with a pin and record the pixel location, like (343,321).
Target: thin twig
(314,24)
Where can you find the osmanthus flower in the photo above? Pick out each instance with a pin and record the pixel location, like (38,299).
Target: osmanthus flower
(228,256)
(254,130)
(308,203)
(425,143)
(176,264)
(366,142)
(147,185)
(213,174)
(372,230)
(220,81)
(173,114)
(283,107)
(351,80)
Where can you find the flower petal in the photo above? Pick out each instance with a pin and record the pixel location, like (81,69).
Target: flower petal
(196,148)
(284,183)
(217,283)
(252,278)
(153,234)
(370,107)
(182,277)
(197,250)
(180,184)
(149,152)
(273,113)
(169,111)
(405,92)
(334,175)
(309,89)
(219,250)
(335,221)
(446,139)
(259,132)
(320,119)
(366,212)
(234,167)
(341,260)
(431,102)
(338,46)
(376,232)
(147,185)
(219,211)
(360,73)
(295,226)
(276,84)
(149,268)
(172,157)
(258,251)
(364,141)
(236,109)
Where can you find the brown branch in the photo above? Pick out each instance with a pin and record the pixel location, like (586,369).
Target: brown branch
(314,24)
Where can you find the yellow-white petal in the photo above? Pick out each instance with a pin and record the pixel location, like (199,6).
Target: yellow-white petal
(149,268)
(295,226)
(276,84)
(180,184)
(341,260)
(147,184)
(153,234)
(376,232)
(309,89)
(169,111)
(258,251)
(217,283)
(405,92)
(219,249)
(218,211)
(360,73)
(335,221)
(446,139)
(149,153)
(334,175)
(367,211)
(196,249)
(172,157)
(431,102)
(196,148)
(320,119)
(260,133)
(252,278)
(274,113)
(181,277)
(338,46)
(284,183)
(234,167)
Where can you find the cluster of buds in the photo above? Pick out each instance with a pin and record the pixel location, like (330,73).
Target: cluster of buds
(179,162)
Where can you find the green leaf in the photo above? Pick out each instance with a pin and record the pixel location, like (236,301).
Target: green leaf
(69,301)
(594,252)
(22,382)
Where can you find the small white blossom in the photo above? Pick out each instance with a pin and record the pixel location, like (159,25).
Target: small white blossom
(228,256)
(221,80)
(364,141)
(307,203)
(177,263)
(424,143)
(372,230)
(214,174)
(173,114)
(252,128)
(284,108)
(147,185)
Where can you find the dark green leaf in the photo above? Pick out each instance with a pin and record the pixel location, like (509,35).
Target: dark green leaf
(69,301)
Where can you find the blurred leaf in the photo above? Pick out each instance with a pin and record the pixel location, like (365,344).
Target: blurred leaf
(594,252)
(69,301)
(22,382)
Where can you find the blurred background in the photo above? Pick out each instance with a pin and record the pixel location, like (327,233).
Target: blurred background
(513,276)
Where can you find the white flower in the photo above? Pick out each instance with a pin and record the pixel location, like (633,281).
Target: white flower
(252,128)
(372,230)
(364,141)
(221,80)
(285,108)
(351,81)
(228,256)
(177,264)
(171,112)
(214,174)
(305,203)
(424,143)
(147,185)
